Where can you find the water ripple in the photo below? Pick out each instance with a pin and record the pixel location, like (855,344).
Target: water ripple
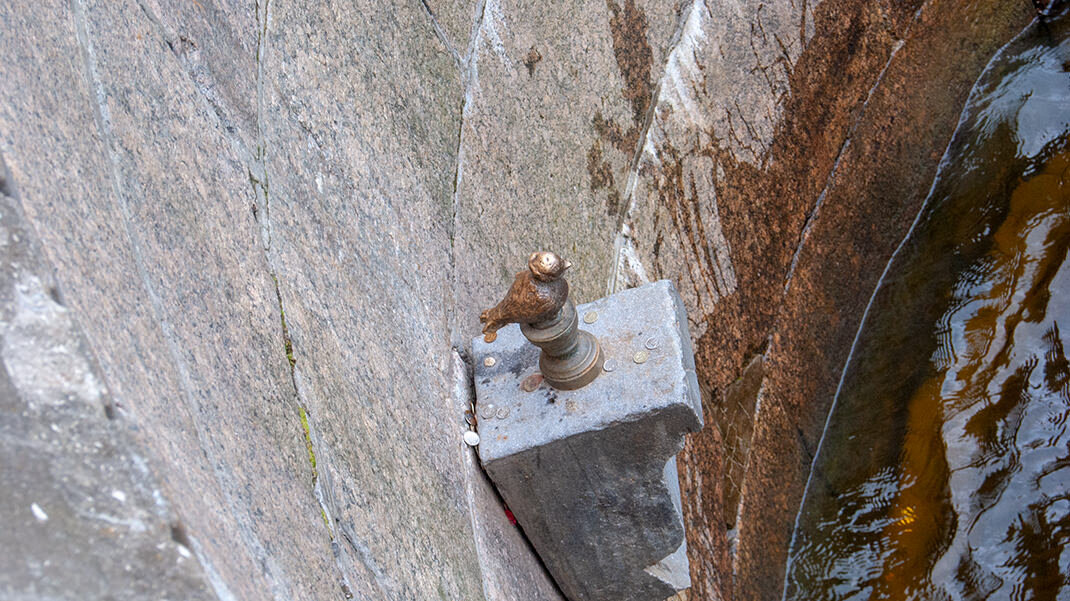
(944,472)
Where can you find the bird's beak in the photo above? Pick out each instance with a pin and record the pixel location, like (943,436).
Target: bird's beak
(568,264)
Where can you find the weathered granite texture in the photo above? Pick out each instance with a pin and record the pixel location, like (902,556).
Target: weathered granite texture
(248,211)
(271,222)
(74,478)
(591,473)
(555,104)
(790,148)
(142,200)
(355,206)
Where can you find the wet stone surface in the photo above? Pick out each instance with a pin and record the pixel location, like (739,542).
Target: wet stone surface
(735,420)
(774,206)
(882,178)
(943,470)
(227,193)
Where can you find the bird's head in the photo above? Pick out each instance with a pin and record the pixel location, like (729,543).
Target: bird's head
(547,266)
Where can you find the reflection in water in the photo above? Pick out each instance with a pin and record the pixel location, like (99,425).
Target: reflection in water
(944,472)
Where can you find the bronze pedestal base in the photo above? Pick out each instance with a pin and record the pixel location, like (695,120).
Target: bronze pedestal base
(571,358)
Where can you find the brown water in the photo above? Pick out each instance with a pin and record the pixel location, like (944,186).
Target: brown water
(944,470)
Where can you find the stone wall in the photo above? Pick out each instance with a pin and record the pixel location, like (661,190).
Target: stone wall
(244,239)
(767,157)
(247,210)
(787,156)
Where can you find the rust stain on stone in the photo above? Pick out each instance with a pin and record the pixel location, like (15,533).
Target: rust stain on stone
(610,131)
(678,195)
(628,29)
(601,173)
(894,141)
(600,169)
(531,59)
(628,26)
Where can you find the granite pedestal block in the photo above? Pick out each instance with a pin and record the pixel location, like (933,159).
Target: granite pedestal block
(590,474)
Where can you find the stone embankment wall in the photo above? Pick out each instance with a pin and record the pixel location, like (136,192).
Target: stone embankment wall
(240,241)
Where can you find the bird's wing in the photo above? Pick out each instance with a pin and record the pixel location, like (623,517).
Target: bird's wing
(501,313)
(525,301)
(543,304)
(520,284)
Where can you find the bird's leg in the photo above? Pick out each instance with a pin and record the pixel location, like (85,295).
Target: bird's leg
(490,326)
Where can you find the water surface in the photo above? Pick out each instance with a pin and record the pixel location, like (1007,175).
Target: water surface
(944,471)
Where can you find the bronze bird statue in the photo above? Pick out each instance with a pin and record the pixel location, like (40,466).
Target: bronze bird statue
(537,294)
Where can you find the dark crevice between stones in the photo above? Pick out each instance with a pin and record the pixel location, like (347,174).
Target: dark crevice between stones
(261,211)
(180,536)
(262,214)
(287,342)
(311,451)
(442,37)
(7,187)
(319,485)
(830,181)
(302,411)
(526,540)
(470,402)
(258,186)
(180,45)
(1047,8)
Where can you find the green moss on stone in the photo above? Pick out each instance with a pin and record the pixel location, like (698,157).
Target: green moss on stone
(308,442)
